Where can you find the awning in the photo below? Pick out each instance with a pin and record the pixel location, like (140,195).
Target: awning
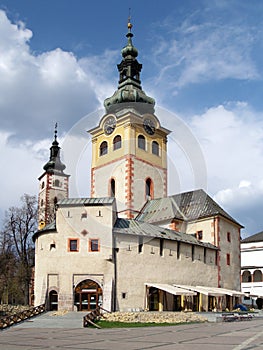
(203,290)
(233,293)
(171,289)
(213,291)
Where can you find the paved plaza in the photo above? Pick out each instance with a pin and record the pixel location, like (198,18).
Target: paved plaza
(66,332)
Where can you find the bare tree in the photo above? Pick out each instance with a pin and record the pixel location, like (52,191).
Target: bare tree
(19,225)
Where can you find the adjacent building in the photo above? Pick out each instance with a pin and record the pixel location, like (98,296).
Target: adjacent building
(252,269)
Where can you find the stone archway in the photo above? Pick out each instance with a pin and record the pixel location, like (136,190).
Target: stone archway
(87,295)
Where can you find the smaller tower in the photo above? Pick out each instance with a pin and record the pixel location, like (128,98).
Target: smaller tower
(53,185)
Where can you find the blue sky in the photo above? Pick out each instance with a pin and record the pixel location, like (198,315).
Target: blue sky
(202,62)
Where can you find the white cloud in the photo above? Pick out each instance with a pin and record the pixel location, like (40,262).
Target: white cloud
(38,90)
(232,144)
(21,166)
(195,52)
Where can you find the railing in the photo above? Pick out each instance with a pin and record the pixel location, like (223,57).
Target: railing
(93,316)
(11,320)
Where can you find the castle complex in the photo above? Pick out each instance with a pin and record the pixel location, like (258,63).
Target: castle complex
(130,246)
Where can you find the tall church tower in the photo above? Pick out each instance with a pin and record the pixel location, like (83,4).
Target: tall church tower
(53,185)
(129,159)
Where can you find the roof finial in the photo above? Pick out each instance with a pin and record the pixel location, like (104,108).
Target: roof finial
(129,20)
(56,131)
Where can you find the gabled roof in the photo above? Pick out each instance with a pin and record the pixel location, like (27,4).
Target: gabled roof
(187,206)
(139,228)
(258,237)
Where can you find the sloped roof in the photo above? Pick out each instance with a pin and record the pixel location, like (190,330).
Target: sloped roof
(139,228)
(258,237)
(86,201)
(46,229)
(187,206)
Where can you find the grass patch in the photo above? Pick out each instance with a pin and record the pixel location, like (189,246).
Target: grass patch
(111,324)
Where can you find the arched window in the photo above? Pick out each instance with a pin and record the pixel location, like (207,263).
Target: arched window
(117,142)
(141,142)
(112,188)
(246,276)
(103,148)
(56,183)
(149,189)
(155,148)
(257,276)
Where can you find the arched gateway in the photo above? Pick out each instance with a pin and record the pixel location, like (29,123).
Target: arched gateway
(88,295)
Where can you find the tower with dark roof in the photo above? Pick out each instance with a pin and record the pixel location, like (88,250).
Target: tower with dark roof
(53,185)
(129,160)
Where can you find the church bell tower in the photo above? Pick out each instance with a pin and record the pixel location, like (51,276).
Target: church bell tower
(129,160)
(53,185)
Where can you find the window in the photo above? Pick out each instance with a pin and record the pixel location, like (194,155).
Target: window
(117,142)
(141,142)
(112,188)
(84,215)
(123,295)
(178,250)
(140,245)
(193,252)
(199,234)
(94,245)
(155,148)
(73,245)
(257,276)
(246,276)
(43,185)
(228,259)
(103,148)
(42,202)
(204,255)
(228,236)
(148,189)
(161,247)
(56,183)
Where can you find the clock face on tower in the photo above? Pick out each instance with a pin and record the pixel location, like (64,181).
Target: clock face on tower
(149,126)
(109,125)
